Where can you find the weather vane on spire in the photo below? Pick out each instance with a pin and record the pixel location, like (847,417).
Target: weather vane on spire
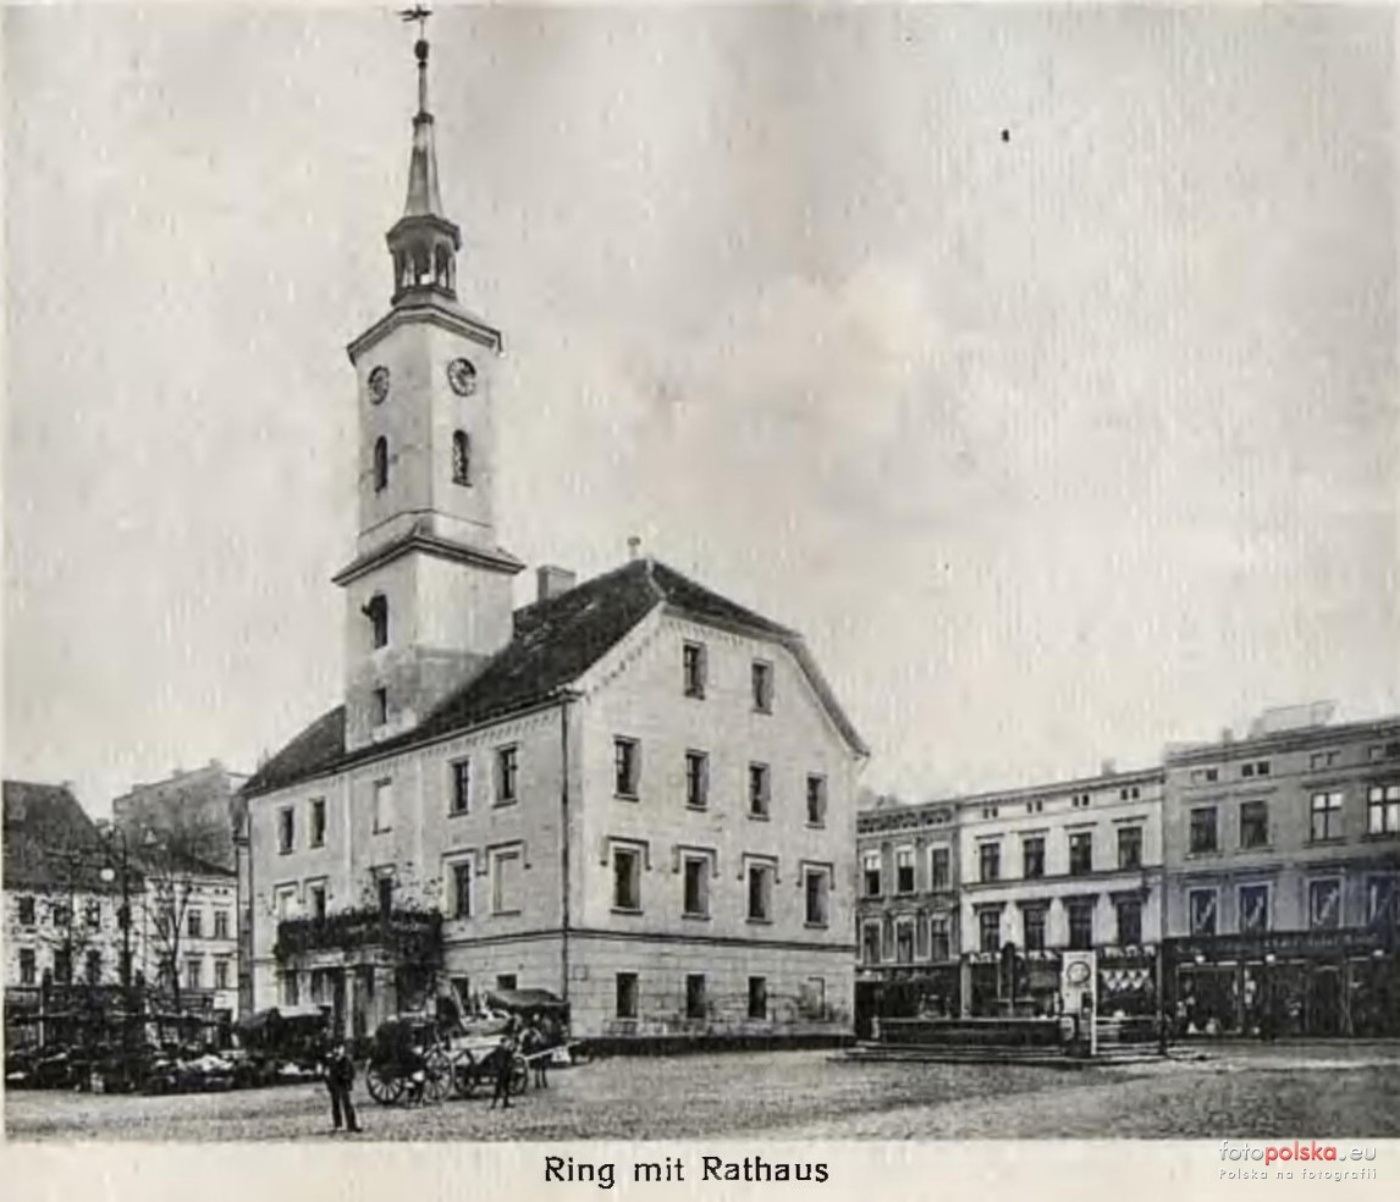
(420,48)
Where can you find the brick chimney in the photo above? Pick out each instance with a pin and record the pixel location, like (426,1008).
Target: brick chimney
(551,581)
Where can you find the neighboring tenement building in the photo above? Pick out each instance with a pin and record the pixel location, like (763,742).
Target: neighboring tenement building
(1074,864)
(1283,856)
(632,792)
(68,892)
(907,927)
(958,894)
(197,808)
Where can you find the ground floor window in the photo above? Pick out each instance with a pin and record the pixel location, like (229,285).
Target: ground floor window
(626,995)
(758,997)
(505,981)
(695,995)
(289,988)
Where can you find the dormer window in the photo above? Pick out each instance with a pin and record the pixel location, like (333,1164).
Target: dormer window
(461,458)
(377,611)
(381,464)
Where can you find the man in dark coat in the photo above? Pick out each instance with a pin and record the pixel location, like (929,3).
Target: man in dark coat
(340,1079)
(505,1062)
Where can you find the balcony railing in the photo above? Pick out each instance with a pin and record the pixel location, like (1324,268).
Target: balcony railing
(412,936)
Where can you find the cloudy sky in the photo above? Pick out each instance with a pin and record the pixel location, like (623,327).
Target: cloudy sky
(1057,443)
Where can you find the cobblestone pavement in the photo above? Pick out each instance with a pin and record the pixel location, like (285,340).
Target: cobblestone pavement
(1286,1090)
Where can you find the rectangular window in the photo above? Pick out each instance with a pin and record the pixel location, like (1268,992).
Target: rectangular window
(1033,856)
(940,943)
(1129,912)
(1081,852)
(383,805)
(290,993)
(1326,816)
(63,966)
(461,802)
(989,861)
(989,930)
(627,879)
(1204,776)
(221,974)
(697,887)
(695,995)
(507,769)
(1381,907)
(26,911)
(1322,759)
(462,872)
(904,870)
(286,899)
(758,790)
(693,669)
(1203,830)
(505,982)
(194,924)
(92,967)
(379,706)
(762,680)
(194,973)
(1081,924)
(1254,909)
(1383,810)
(940,868)
(1324,905)
(626,761)
(758,997)
(1254,824)
(28,966)
(904,940)
(760,893)
(818,891)
(1201,905)
(870,943)
(870,873)
(286,830)
(505,881)
(221,924)
(384,887)
(1130,847)
(318,822)
(816,800)
(1033,928)
(697,780)
(316,897)
(92,915)
(626,995)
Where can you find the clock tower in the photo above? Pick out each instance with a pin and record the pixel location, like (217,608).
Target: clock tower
(428,594)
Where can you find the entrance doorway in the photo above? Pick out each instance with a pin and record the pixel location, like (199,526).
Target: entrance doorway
(1325,1002)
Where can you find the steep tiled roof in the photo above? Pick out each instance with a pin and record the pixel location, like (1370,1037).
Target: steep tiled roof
(50,842)
(555,642)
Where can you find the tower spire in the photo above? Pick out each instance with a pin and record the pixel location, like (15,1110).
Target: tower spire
(423,242)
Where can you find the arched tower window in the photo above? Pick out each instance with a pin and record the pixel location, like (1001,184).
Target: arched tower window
(461,458)
(381,464)
(377,611)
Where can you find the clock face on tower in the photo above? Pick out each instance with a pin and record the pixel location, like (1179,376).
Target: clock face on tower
(378,384)
(462,376)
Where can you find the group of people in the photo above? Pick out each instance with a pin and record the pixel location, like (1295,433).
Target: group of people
(529,1040)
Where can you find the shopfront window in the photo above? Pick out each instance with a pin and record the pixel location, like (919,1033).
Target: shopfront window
(1254,909)
(1201,903)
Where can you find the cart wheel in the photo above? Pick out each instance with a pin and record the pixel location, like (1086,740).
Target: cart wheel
(519,1074)
(438,1071)
(465,1075)
(383,1089)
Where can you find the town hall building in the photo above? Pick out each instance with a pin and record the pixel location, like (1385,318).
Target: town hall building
(631,792)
